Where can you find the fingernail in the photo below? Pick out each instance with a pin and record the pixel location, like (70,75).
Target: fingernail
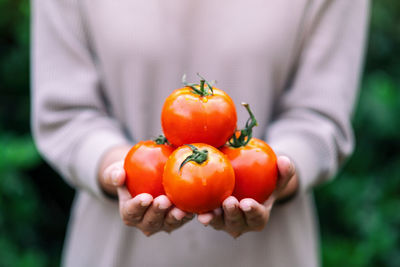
(230,207)
(177,216)
(288,162)
(246,206)
(115,177)
(163,206)
(145,202)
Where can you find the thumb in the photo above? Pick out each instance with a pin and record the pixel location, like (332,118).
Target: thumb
(114,175)
(286,170)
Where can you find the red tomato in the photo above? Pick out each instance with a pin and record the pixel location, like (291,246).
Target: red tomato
(254,162)
(256,170)
(198,114)
(197,178)
(144,167)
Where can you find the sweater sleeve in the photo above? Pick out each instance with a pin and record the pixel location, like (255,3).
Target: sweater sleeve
(312,123)
(71,125)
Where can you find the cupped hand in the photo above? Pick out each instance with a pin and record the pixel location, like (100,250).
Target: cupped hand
(238,217)
(142,211)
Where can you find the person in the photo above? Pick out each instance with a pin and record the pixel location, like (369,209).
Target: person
(101,71)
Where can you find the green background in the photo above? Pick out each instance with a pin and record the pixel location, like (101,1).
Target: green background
(359,211)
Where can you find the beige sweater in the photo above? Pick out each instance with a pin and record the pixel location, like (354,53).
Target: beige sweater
(102,69)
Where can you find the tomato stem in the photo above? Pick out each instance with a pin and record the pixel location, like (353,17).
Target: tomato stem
(245,134)
(199,89)
(197,156)
(161,140)
(202,82)
(208,84)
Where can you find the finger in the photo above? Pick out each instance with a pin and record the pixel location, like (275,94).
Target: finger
(123,194)
(176,218)
(132,210)
(205,218)
(188,217)
(270,201)
(233,216)
(286,170)
(114,175)
(218,221)
(255,213)
(153,219)
(173,218)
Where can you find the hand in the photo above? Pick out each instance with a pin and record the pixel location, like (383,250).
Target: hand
(147,214)
(236,217)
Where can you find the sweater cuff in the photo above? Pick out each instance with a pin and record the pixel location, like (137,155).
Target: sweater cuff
(90,151)
(307,156)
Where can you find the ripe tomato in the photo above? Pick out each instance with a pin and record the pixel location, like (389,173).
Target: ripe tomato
(197,178)
(198,114)
(144,167)
(255,167)
(254,163)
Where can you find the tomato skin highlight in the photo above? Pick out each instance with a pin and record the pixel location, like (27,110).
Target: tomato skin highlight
(198,188)
(144,167)
(188,118)
(256,170)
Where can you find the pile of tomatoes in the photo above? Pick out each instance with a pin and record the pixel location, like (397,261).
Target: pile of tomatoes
(203,158)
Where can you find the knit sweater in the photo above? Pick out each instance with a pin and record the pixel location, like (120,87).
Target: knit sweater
(102,69)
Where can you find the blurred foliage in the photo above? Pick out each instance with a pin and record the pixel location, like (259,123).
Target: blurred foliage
(34,202)
(359,211)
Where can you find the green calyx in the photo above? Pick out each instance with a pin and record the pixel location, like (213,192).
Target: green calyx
(161,140)
(199,89)
(198,156)
(245,134)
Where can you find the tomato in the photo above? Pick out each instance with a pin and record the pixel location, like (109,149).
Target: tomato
(254,163)
(144,167)
(256,170)
(197,178)
(198,114)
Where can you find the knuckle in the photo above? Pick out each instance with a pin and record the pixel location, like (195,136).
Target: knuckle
(153,224)
(261,217)
(128,216)
(159,212)
(258,225)
(135,218)
(235,221)
(255,220)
